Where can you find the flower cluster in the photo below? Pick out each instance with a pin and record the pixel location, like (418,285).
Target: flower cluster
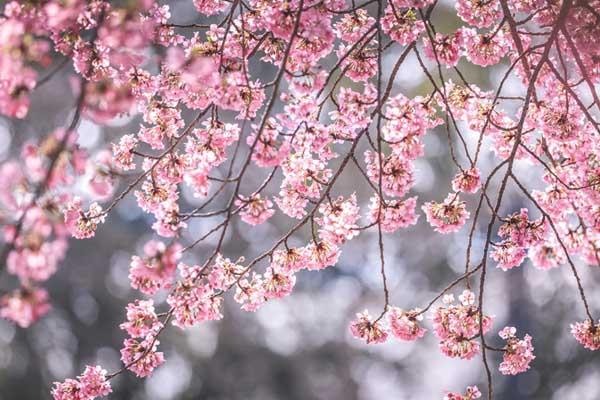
(448,216)
(468,181)
(587,333)
(156,270)
(471,393)
(518,353)
(520,233)
(24,306)
(82,225)
(458,325)
(404,325)
(139,353)
(363,327)
(36,235)
(91,384)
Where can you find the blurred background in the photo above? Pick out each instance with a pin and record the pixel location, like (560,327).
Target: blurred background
(298,348)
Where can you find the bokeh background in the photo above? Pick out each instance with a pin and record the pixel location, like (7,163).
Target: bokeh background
(298,348)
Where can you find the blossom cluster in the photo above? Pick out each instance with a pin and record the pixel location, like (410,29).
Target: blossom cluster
(458,325)
(587,333)
(139,353)
(471,393)
(404,325)
(518,353)
(91,384)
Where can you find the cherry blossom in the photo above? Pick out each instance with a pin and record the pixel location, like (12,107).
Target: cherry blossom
(446,217)
(141,319)
(402,26)
(518,353)
(445,48)
(255,211)
(478,14)
(471,393)
(587,333)
(338,220)
(156,269)
(370,331)
(393,215)
(405,324)
(468,181)
(457,326)
(83,224)
(24,306)
(141,356)
(193,300)
(89,385)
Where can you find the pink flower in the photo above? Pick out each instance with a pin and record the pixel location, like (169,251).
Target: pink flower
(152,195)
(405,324)
(292,203)
(164,120)
(446,48)
(468,181)
(402,26)
(268,150)
(255,210)
(107,99)
(446,217)
(70,389)
(224,273)
(250,293)
(321,255)
(141,319)
(278,283)
(518,353)
(521,230)
(479,14)
(93,382)
(353,26)
(102,179)
(412,3)
(547,256)
(14,93)
(353,113)
(210,7)
(457,326)
(397,173)
(91,60)
(156,269)
(35,255)
(88,386)
(471,394)
(82,225)
(363,328)
(395,214)
(554,200)
(193,300)
(484,49)
(168,220)
(587,333)
(338,221)
(290,259)
(123,152)
(508,254)
(361,63)
(140,356)
(24,306)
(406,121)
